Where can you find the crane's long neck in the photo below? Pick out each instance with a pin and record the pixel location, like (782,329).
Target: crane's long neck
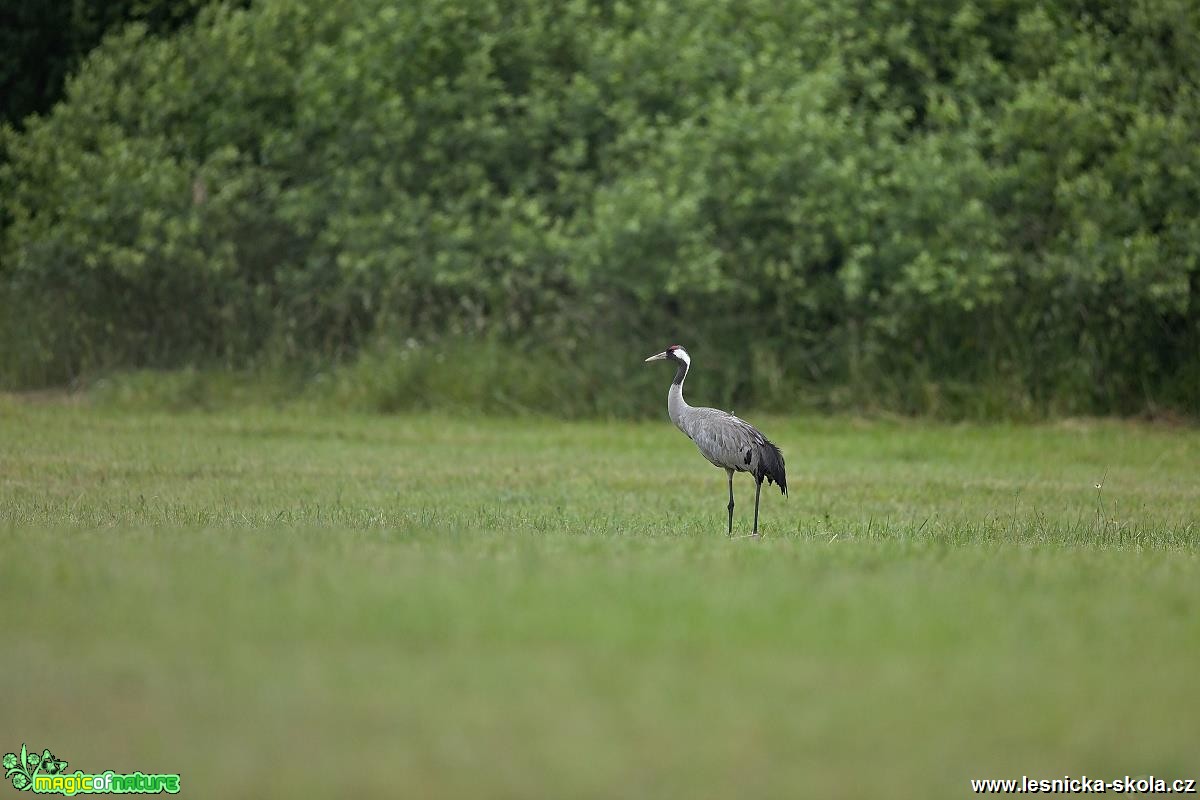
(677,407)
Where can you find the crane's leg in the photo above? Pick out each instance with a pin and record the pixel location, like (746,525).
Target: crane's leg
(757,492)
(730,502)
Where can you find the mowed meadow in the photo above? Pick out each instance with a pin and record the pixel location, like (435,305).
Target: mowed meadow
(289,602)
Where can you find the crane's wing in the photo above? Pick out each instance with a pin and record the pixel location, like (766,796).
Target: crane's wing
(723,438)
(732,443)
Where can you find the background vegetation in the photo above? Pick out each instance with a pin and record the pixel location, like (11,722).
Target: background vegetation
(956,208)
(43,41)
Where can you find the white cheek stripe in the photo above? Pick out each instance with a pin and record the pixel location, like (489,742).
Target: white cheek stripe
(683,356)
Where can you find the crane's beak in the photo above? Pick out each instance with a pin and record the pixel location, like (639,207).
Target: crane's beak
(658,357)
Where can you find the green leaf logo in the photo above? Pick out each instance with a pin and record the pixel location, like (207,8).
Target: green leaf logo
(22,769)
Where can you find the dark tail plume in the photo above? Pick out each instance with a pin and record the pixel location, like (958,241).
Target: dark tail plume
(770,466)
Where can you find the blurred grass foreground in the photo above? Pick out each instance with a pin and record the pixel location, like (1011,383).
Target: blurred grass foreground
(961,209)
(281,604)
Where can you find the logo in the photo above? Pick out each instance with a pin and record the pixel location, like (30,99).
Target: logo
(47,774)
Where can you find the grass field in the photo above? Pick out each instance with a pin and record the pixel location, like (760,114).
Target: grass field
(285,604)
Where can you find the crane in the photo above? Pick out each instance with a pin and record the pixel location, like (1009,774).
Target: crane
(726,441)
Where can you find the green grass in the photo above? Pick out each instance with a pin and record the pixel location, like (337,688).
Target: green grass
(284,604)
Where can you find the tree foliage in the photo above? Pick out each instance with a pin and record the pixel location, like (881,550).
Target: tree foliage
(917,203)
(43,41)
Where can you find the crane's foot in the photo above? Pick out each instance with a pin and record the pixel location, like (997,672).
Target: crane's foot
(747,536)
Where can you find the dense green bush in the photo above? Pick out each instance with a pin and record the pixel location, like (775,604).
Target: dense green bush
(950,208)
(43,41)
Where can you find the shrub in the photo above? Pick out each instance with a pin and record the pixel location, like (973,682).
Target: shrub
(896,205)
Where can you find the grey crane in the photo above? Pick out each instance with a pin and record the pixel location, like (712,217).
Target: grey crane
(726,441)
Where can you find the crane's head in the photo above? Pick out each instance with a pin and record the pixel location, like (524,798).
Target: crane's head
(674,353)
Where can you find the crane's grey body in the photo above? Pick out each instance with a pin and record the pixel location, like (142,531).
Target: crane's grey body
(726,441)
